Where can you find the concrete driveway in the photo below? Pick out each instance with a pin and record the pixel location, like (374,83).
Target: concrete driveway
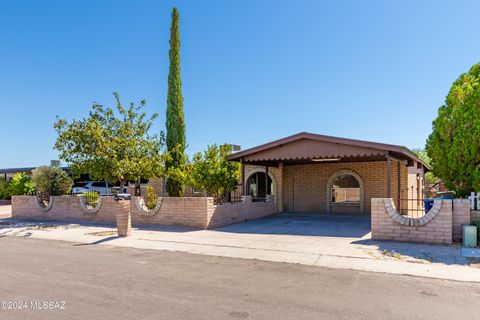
(302,224)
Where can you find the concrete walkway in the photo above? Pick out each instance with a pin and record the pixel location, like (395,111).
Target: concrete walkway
(339,242)
(5,211)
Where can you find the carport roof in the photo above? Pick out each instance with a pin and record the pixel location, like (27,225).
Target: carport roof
(307,147)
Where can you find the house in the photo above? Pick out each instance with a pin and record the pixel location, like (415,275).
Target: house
(322,174)
(8,173)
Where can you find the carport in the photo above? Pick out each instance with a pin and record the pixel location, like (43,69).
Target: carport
(322,174)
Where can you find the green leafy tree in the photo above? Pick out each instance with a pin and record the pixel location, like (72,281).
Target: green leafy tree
(454,144)
(51,181)
(20,184)
(429,176)
(212,172)
(175,124)
(113,145)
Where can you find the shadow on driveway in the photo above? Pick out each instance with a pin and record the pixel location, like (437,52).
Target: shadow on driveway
(306,224)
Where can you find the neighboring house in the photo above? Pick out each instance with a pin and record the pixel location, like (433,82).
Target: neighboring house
(8,173)
(315,173)
(437,188)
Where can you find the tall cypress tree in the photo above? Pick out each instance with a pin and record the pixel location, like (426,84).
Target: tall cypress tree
(176,138)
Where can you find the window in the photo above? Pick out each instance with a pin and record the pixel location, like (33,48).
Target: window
(345,189)
(101,184)
(256,185)
(80,184)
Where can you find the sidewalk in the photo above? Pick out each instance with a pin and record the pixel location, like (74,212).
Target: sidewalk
(443,262)
(5,211)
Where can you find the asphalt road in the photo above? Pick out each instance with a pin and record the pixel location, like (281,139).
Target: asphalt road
(101,282)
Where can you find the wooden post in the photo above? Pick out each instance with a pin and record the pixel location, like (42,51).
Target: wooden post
(243,176)
(266,181)
(398,184)
(389,176)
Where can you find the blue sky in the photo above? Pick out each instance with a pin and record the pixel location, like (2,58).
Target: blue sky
(252,71)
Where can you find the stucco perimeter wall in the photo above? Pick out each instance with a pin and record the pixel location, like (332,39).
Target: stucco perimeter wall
(222,215)
(434,227)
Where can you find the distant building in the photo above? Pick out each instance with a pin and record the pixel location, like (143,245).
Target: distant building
(8,173)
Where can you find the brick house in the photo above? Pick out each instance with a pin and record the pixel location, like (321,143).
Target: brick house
(315,173)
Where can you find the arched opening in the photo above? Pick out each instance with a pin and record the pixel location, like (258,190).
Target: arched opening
(256,185)
(345,193)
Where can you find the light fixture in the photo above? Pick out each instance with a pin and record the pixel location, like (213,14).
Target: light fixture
(325,159)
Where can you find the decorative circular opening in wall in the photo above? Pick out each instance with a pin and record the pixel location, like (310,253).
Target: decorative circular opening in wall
(414,222)
(91,202)
(148,207)
(44,202)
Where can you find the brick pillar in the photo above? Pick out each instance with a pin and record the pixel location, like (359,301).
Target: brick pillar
(124,223)
(461,215)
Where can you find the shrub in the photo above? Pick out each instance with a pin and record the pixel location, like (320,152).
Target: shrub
(51,181)
(20,184)
(151,198)
(212,172)
(3,189)
(91,196)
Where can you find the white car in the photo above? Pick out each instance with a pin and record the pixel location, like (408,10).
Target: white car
(103,188)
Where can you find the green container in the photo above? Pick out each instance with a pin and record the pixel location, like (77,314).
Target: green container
(469,236)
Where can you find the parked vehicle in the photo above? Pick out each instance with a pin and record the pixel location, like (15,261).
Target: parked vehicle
(103,188)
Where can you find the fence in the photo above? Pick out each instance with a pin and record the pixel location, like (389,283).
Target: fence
(412,207)
(474,200)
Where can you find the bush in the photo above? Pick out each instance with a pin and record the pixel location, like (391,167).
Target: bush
(51,181)
(212,172)
(151,198)
(91,196)
(3,189)
(20,184)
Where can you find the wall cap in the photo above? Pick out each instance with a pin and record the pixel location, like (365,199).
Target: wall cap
(407,221)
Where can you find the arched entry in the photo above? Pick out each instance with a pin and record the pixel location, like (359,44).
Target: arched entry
(256,185)
(345,192)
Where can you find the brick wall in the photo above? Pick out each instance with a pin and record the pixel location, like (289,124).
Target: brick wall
(474,215)
(64,208)
(194,212)
(222,215)
(185,211)
(461,215)
(435,227)
(305,186)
